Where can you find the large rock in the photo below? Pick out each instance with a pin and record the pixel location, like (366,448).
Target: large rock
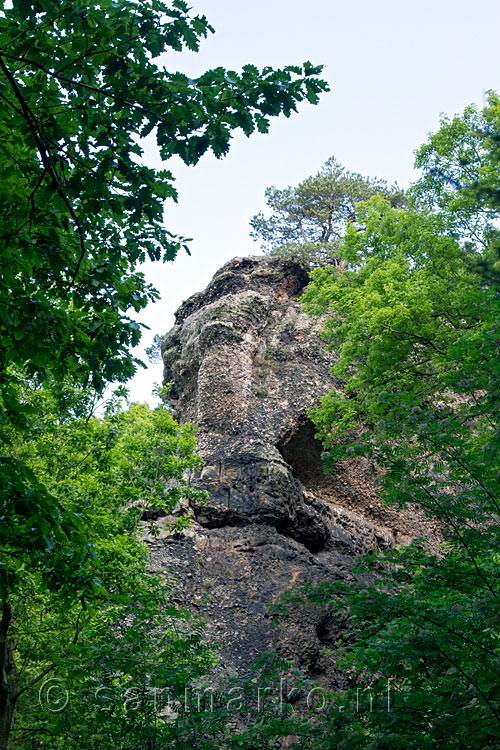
(246,364)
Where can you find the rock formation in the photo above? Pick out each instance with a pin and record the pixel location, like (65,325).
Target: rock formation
(246,364)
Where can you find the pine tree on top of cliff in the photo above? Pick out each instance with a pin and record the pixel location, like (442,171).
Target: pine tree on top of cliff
(307,222)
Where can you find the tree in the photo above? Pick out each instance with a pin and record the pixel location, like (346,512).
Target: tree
(107,624)
(415,319)
(308,222)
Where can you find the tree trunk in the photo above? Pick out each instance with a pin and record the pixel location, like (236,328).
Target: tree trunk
(8,677)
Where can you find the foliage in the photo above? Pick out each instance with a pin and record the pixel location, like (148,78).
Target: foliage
(308,222)
(111,629)
(416,322)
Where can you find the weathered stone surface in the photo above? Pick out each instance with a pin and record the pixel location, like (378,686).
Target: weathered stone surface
(246,365)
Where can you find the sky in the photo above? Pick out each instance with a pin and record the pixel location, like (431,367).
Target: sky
(393,66)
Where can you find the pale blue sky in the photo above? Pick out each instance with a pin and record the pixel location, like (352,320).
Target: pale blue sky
(393,67)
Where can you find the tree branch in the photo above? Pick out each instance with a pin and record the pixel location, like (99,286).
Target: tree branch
(47,163)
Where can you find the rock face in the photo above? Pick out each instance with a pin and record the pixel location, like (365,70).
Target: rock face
(246,364)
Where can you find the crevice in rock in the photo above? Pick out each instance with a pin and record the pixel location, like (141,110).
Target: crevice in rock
(314,539)
(302,452)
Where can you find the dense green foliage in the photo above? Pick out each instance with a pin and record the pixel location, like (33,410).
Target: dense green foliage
(106,629)
(415,319)
(307,222)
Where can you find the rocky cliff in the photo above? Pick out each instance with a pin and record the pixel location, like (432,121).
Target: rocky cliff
(246,364)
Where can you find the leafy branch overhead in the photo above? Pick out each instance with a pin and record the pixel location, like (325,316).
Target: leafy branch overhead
(80,85)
